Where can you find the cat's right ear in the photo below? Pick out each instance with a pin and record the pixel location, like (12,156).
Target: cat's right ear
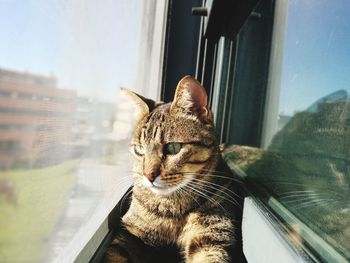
(142,105)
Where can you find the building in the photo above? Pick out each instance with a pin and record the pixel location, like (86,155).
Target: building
(92,129)
(35,118)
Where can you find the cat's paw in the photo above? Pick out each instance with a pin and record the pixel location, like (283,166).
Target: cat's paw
(208,255)
(115,257)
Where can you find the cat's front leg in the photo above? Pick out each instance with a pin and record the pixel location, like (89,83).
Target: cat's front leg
(116,253)
(207,238)
(126,248)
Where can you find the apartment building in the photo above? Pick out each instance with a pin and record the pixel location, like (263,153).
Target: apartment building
(35,118)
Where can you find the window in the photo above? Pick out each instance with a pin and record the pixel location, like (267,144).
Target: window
(279,91)
(277,73)
(305,163)
(294,105)
(63,150)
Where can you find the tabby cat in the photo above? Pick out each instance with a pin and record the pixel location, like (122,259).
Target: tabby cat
(184,197)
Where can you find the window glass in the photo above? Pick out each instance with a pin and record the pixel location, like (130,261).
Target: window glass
(305,165)
(63,153)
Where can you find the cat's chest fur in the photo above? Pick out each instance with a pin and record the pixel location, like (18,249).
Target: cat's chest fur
(153,221)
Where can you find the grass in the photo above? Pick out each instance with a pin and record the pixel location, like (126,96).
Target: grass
(25,225)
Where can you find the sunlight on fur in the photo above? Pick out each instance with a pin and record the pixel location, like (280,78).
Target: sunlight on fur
(183,196)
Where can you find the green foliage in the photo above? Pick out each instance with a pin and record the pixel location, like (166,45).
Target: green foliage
(40,197)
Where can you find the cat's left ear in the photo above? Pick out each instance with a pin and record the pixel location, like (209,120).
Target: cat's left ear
(191,98)
(142,105)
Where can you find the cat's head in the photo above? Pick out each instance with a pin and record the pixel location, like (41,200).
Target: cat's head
(173,142)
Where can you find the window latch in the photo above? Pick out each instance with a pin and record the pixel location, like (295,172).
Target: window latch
(199,11)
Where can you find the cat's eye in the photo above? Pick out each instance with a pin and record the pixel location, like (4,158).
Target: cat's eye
(139,150)
(172,148)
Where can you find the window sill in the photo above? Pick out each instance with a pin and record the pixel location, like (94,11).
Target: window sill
(266,239)
(262,240)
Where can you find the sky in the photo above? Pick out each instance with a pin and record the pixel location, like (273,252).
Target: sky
(90,45)
(316,58)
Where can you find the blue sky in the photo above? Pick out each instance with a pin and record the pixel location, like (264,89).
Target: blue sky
(92,45)
(89,45)
(316,53)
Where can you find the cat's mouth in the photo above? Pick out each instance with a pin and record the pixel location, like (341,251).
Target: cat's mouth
(155,183)
(159,187)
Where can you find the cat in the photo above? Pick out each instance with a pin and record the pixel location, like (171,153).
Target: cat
(184,198)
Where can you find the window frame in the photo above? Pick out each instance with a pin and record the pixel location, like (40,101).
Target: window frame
(214,34)
(276,215)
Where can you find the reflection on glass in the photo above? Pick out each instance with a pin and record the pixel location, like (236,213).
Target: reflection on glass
(62,130)
(306,167)
(312,174)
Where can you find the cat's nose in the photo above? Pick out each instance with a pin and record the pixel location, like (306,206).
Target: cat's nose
(152,176)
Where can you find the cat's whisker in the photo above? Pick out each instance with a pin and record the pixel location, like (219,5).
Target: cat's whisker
(297,195)
(189,195)
(213,175)
(302,195)
(310,203)
(224,177)
(310,207)
(284,183)
(301,191)
(299,200)
(208,190)
(222,197)
(285,198)
(125,182)
(214,185)
(228,199)
(205,196)
(136,172)
(214,171)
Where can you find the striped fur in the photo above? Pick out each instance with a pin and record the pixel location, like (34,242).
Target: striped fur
(194,206)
